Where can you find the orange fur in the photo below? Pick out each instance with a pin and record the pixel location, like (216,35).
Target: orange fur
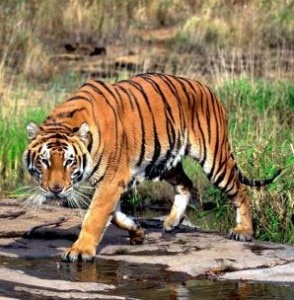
(123,133)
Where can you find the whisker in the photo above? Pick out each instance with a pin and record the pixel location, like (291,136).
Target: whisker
(79,201)
(78,204)
(34,201)
(82,198)
(83,195)
(69,201)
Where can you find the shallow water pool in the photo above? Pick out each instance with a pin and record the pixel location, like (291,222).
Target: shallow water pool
(133,281)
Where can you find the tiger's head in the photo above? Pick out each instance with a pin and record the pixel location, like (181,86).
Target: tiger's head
(57,160)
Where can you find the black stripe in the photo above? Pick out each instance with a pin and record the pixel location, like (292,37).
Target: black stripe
(258,183)
(120,97)
(157,145)
(69,114)
(75,149)
(84,161)
(193,111)
(208,114)
(56,144)
(170,121)
(90,145)
(97,163)
(99,92)
(156,153)
(77,97)
(171,134)
(216,146)
(202,160)
(158,89)
(97,181)
(131,98)
(166,79)
(214,160)
(28,158)
(57,126)
(222,161)
(57,135)
(231,196)
(78,176)
(220,178)
(106,87)
(204,107)
(128,95)
(230,182)
(143,147)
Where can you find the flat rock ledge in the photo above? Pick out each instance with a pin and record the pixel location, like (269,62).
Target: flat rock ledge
(47,231)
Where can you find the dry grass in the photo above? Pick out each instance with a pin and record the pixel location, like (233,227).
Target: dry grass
(34,31)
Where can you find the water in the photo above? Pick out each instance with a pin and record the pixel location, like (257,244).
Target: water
(139,281)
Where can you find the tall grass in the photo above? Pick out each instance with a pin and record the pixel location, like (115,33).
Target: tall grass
(262,133)
(32,32)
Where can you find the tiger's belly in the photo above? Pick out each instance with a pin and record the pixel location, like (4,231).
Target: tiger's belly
(154,170)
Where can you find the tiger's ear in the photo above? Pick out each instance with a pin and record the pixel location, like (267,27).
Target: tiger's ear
(82,133)
(33,129)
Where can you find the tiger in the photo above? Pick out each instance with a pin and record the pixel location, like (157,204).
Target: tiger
(114,136)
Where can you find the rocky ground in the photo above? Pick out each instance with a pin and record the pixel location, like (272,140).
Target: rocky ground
(44,233)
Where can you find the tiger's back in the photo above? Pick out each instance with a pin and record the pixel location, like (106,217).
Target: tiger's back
(156,119)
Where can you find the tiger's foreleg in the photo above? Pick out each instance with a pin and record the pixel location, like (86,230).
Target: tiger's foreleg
(183,186)
(122,221)
(98,215)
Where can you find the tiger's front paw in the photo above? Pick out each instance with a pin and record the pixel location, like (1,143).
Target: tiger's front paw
(241,234)
(137,236)
(79,252)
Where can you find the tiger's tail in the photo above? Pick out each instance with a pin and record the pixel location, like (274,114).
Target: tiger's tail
(258,183)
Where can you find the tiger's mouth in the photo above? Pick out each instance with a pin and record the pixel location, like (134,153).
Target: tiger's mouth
(57,201)
(59,192)
(71,198)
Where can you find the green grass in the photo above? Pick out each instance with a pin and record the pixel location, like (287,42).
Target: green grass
(262,132)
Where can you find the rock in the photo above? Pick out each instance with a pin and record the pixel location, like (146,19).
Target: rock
(85,49)
(58,285)
(25,285)
(202,254)
(46,232)
(283,274)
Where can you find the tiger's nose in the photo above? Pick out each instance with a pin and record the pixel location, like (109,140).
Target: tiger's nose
(55,189)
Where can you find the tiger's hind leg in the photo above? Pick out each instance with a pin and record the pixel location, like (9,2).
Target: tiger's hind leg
(228,182)
(183,187)
(243,231)
(122,221)
(225,176)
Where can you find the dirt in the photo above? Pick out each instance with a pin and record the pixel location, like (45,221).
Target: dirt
(155,53)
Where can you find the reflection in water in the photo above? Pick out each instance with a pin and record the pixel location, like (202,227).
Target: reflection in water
(145,281)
